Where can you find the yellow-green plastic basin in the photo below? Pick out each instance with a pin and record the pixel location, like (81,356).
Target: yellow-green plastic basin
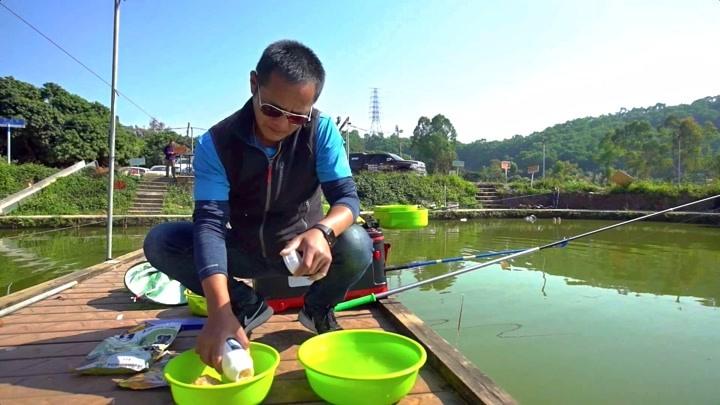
(183,370)
(361,366)
(395,208)
(196,303)
(401,216)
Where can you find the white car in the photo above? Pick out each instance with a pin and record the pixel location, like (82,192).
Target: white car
(183,164)
(157,170)
(134,171)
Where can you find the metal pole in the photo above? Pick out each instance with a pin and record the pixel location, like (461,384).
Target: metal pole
(111,180)
(347,141)
(679,173)
(543,159)
(192,143)
(8,148)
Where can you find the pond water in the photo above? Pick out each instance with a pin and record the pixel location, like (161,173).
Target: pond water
(31,256)
(625,316)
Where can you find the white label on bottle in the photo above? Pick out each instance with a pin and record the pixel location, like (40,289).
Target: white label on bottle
(299,281)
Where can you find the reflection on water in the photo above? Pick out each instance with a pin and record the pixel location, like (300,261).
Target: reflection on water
(626,316)
(32,256)
(657,258)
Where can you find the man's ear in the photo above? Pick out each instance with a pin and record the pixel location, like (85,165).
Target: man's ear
(253,82)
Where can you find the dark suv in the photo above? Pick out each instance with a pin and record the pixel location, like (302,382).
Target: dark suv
(384,162)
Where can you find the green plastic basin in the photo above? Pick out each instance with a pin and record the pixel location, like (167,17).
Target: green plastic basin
(401,216)
(395,208)
(196,303)
(361,366)
(181,371)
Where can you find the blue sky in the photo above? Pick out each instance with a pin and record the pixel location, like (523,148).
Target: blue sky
(495,68)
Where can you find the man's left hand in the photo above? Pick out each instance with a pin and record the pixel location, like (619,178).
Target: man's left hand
(315,251)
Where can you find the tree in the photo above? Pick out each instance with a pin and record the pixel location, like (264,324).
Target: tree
(687,144)
(433,142)
(564,171)
(63,128)
(607,154)
(356,142)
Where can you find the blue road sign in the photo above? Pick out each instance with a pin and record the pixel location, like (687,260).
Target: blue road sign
(12,122)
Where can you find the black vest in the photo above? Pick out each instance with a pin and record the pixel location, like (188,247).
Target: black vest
(271,200)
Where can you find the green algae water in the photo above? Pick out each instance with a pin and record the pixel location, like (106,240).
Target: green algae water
(32,256)
(628,316)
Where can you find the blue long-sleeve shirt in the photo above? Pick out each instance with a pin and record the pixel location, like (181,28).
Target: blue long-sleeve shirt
(212,188)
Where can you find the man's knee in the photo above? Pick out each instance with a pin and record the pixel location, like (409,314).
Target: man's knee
(167,239)
(154,240)
(354,248)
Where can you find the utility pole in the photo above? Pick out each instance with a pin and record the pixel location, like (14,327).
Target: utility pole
(192,141)
(113,121)
(543,159)
(399,131)
(679,173)
(347,133)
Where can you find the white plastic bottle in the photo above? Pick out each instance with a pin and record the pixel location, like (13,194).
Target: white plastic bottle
(292,261)
(236,361)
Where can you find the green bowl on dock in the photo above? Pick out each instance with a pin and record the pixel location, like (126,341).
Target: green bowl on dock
(196,303)
(183,370)
(401,216)
(361,366)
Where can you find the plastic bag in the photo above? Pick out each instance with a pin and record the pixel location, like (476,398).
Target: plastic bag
(130,352)
(153,378)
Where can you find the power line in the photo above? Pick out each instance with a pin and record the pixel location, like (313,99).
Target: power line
(76,60)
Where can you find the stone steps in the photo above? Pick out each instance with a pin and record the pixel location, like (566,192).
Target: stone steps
(486,195)
(149,197)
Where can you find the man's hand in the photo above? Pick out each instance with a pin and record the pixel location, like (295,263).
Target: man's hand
(221,323)
(213,335)
(316,254)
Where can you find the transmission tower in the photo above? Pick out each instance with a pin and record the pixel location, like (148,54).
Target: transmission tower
(375,127)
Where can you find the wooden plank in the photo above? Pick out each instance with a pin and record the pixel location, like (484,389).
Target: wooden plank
(39,316)
(18,319)
(163,397)
(79,324)
(284,390)
(86,331)
(289,369)
(113,397)
(468,380)
(130,306)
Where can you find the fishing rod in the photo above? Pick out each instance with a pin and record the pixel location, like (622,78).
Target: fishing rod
(366,299)
(451,259)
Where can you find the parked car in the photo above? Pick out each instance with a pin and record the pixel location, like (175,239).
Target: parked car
(157,170)
(384,161)
(183,164)
(134,171)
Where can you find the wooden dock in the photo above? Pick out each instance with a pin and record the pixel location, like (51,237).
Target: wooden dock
(40,345)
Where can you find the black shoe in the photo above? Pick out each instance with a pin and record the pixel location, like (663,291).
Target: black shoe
(318,321)
(253,315)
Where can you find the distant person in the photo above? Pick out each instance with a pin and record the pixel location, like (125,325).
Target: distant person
(259,177)
(170,157)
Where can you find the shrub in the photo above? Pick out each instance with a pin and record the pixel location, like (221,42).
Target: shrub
(178,200)
(401,188)
(84,192)
(14,178)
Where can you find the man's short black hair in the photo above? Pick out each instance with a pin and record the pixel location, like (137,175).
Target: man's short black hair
(294,61)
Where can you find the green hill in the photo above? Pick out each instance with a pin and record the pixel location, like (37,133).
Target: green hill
(579,140)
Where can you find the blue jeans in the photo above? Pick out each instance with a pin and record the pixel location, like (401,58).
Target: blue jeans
(169,248)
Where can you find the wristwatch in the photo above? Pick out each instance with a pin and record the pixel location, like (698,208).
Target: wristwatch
(327,232)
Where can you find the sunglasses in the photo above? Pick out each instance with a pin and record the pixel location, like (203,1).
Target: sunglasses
(273,111)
